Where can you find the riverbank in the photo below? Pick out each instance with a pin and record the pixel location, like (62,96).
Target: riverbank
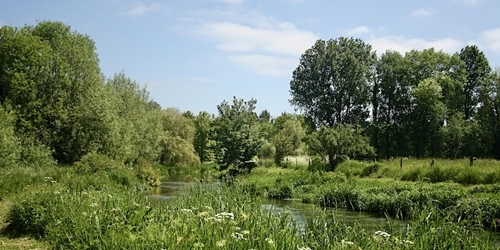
(104,210)
(479,205)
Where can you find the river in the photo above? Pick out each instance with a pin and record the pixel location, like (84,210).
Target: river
(300,212)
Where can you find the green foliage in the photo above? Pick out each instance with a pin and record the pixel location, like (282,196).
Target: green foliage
(203,143)
(146,173)
(176,141)
(339,143)
(267,151)
(53,92)
(10,146)
(136,126)
(236,132)
(331,84)
(288,139)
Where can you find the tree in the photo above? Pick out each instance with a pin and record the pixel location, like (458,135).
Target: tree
(177,139)
(287,140)
(429,115)
(391,105)
(51,78)
(477,70)
(236,132)
(202,139)
(339,143)
(137,121)
(331,85)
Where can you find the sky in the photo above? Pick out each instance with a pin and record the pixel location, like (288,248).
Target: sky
(193,54)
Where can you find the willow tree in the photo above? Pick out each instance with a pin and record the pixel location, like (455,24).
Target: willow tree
(50,76)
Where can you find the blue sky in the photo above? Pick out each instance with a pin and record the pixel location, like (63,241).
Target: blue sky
(193,54)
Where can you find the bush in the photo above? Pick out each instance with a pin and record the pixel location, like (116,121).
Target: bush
(371,169)
(317,164)
(147,173)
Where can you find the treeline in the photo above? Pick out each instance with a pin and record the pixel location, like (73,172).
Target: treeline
(423,103)
(56,106)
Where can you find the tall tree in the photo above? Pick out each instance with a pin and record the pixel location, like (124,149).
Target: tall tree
(236,132)
(391,105)
(332,83)
(477,70)
(51,77)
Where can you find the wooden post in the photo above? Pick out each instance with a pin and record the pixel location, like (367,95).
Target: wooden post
(401,162)
(432,162)
(471,160)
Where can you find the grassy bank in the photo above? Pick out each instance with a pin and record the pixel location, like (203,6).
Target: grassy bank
(366,188)
(98,206)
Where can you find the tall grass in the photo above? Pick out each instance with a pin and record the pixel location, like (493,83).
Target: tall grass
(209,217)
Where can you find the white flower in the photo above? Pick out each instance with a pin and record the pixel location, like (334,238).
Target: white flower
(270,241)
(237,236)
(198,245)
(245,232)
(304,248)
(382,233)
(186,210)
(220,243)
(223,215)
(94,205)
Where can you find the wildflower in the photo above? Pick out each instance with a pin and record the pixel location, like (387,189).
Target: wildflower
(186,210)
(220,243)
(94,205)
(223,215)
(245,232)
(198,245)
(202,214)
(244,216)
(304,248)
(85,193)
(57,193)
(117,209)
(208,207)
(270,241)
(179,239)
(382,233)
(136,204)
(236,228)
(213,219)
(237,236)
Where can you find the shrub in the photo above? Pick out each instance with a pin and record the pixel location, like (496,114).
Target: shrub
(371,169)
(147,173)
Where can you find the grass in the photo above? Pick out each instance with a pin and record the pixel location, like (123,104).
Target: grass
(99,207)
(478,205)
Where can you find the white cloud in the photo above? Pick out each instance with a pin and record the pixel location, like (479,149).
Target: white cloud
(403,44)
(140,9)
(491,39)
(358,31)
(265,64)
(252,41)
(423,12)
(284,38)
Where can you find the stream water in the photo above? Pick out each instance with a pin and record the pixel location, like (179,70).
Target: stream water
(300,212)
